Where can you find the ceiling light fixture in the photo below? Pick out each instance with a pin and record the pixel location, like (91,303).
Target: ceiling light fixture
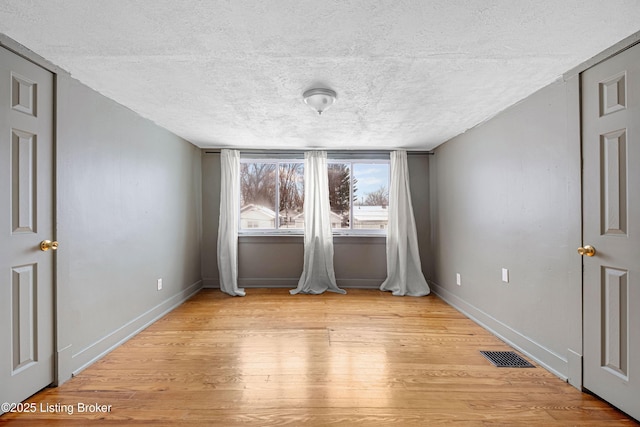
(319,99)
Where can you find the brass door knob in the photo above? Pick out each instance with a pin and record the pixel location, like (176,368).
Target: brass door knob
(587,250)
(45,245)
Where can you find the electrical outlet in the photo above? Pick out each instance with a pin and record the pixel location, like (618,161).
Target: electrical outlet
(505,275)
(159,284)
(458,279)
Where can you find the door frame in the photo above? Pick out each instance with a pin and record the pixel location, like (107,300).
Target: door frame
(572,79)
(24,53)
(629,43)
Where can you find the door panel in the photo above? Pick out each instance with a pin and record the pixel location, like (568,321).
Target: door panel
(611,223)
(26,218)
(23,163)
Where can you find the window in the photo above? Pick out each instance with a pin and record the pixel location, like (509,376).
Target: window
(272,195)
(359,195)
(262,183)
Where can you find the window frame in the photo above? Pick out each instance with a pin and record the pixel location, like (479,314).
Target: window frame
(332,158)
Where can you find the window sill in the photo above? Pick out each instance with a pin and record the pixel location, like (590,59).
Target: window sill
(337,236)
(271,233)
(301,234)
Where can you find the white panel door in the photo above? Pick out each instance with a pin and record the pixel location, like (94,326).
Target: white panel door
(26,219)
(611,224)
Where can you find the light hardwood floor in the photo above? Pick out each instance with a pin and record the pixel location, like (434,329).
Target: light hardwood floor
(272,359)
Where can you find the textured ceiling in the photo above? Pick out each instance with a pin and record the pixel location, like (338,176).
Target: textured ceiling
(408,73)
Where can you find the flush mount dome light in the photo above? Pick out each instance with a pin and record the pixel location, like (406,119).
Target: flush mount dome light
(319,99)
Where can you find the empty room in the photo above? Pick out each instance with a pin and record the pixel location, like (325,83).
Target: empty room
(361,212)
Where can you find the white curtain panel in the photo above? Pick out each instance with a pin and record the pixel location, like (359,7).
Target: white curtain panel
(404,272)
(228,225)
(318,275)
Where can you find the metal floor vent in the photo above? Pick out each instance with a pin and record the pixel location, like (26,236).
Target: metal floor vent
(506,359)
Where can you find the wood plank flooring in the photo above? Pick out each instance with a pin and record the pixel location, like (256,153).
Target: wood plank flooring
(272,359)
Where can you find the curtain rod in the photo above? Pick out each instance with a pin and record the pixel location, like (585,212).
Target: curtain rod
(329,152)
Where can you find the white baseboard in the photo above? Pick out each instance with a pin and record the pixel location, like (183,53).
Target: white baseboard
(550,360)
(88,355)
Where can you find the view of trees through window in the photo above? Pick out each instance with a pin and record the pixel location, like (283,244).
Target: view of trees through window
(359,195)
(291,195)
(272,195)
(340,194)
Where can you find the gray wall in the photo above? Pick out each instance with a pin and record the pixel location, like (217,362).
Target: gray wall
(210,218)
(128,213)
(506,194)
(277,260)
